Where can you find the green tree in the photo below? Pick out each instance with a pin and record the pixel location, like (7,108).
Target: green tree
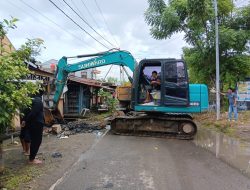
(108,99)
(195,18)
(113,80)
(35,45)
(14,92)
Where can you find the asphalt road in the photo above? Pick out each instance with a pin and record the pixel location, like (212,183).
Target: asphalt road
(138,163)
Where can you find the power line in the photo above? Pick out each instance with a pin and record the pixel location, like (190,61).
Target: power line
(91,15)
(87,23)
(80,12)
(19,8)
(78,24)
(105,22)
(76,37)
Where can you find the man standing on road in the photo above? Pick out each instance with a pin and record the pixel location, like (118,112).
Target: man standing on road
(36,122)
(232,101)
(25,134)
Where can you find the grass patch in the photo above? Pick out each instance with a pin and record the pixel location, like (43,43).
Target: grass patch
(12,179)
(101,116)
(226,128)
(208,120)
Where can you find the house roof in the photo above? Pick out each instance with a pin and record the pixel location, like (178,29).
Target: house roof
(34,67)
(51,61)
(89,82)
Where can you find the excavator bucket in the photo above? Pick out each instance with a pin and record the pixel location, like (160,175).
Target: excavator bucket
(52,116)
(48,117)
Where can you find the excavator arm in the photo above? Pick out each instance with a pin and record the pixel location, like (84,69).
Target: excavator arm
(117,57)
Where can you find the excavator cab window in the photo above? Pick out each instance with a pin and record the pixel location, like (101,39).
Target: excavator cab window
(176,88)
(149,94)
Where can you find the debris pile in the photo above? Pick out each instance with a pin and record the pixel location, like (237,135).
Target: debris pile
(80,126)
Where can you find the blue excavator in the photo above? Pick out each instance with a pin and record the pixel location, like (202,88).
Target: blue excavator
(168,113)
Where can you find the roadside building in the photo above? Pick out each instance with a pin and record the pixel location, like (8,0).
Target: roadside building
(243,93)
(82,94)
(81,91)
(6,45)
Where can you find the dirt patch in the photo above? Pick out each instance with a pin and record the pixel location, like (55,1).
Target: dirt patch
(239,129)
(21,175)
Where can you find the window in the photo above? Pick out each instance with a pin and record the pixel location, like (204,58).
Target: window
(145,87)
(180,70)
(176,80)
(149,69)
(175,72)
(84,74)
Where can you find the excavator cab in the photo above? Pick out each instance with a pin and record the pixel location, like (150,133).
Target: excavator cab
(174,85)
(175,94)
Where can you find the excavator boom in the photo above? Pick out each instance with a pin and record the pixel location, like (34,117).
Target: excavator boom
(122,58)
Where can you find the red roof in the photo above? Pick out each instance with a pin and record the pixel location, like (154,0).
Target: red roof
(89,82)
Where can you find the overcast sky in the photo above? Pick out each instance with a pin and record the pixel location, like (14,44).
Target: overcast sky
(125,28)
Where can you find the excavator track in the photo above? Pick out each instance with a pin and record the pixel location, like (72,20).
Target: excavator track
(178,126)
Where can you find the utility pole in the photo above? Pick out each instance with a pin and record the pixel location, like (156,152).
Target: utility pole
(217,62)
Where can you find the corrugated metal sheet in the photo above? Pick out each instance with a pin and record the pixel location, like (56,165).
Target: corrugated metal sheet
(89,82)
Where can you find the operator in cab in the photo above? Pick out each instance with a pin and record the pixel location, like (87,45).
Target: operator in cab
(155,83)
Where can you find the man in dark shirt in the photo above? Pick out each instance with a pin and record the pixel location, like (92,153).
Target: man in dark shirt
(36,121)
(155,82)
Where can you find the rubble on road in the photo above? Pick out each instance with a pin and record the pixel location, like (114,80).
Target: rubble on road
(56,128)
(80,126)
(56,155)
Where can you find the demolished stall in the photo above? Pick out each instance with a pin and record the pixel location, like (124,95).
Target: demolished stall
(82,94)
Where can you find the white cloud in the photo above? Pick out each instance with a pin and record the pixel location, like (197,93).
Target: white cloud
(125,19)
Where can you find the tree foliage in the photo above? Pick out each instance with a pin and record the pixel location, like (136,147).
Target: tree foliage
(35,46)
(14,92)
(108,99)
(112,80)
(195,18)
